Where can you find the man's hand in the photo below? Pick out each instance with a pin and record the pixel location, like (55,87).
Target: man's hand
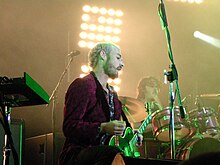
(140,138)
(114,127)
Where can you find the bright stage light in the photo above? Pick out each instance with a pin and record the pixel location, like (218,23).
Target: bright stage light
(188,1)
(207,38)
(99,24)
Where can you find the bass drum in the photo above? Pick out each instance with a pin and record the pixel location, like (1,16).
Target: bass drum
(197,146)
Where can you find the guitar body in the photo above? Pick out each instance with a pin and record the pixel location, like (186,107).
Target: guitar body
(124,141)
(127,142)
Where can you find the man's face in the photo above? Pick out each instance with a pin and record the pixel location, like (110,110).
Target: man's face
(151,91)
(114,63)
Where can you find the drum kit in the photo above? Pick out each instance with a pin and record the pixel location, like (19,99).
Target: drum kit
(197,133)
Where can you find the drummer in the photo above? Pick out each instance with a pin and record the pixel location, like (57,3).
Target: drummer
(147,92)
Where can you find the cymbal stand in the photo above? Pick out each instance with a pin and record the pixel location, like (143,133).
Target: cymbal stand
(171,76)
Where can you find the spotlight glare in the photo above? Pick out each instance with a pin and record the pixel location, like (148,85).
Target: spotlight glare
(111,12)
(117,22)
(198,1)
(95,9)
(103,11)
(85,68)
(208,39)
(115,39)
(83,35)
(117,81)
(85,17)
(191,1)
(86,8)
(101,19)
(116,30)
(119,13)
(91,36)
(82,44)
(109,81)
(99,37)
(101,28)
(196,34)
(116,88)
(108,29)
(82,75)
(109,21)
(92,27)
(90,44)
(107,38)
(84,26)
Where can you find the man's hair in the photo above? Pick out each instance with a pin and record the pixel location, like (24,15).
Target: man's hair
(146,81)
(93,55)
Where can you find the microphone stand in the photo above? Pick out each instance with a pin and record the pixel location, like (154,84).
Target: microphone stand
(53,97)
(172,76)
(8,141)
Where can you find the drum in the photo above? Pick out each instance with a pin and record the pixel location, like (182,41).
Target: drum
(151,147)
(161,122)
(205,119)
(195,146)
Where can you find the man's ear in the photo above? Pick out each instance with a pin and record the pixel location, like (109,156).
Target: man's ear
(103,55)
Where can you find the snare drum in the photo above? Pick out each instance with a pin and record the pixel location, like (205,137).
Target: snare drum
(205,119)
(161,122)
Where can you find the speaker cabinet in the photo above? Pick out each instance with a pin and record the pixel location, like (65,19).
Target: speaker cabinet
(39,150)
(43,149)
(17,128)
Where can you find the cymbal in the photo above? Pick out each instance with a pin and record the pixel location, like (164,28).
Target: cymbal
(213,96)
(134,109)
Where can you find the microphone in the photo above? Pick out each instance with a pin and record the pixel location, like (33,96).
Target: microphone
(73,53)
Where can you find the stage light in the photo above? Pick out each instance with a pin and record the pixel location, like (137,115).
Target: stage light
(207,38)
(85,68)
(82,44)
(99,24)
(117,81)
(119,13)
(84,26)
(116,30)
(95,9)
(91,36)
(83,35)
(103,11)
(111,12)
(85,17)
(86,8)
(116,88)
(188,1)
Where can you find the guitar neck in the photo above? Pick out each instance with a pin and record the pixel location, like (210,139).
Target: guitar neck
(141,129)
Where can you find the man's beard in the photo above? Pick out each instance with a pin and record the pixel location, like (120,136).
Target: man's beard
(111,71)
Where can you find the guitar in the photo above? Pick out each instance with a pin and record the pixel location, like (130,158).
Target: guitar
(127,142)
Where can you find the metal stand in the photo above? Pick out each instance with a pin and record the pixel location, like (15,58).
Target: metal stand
(172,77)
(171,126)
(8,143)
(53,96)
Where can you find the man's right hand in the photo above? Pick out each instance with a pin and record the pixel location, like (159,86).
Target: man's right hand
(114,127)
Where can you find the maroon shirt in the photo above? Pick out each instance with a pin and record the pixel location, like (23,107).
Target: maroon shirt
(85,109)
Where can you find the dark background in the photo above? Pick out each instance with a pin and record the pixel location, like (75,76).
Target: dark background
(36,36)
